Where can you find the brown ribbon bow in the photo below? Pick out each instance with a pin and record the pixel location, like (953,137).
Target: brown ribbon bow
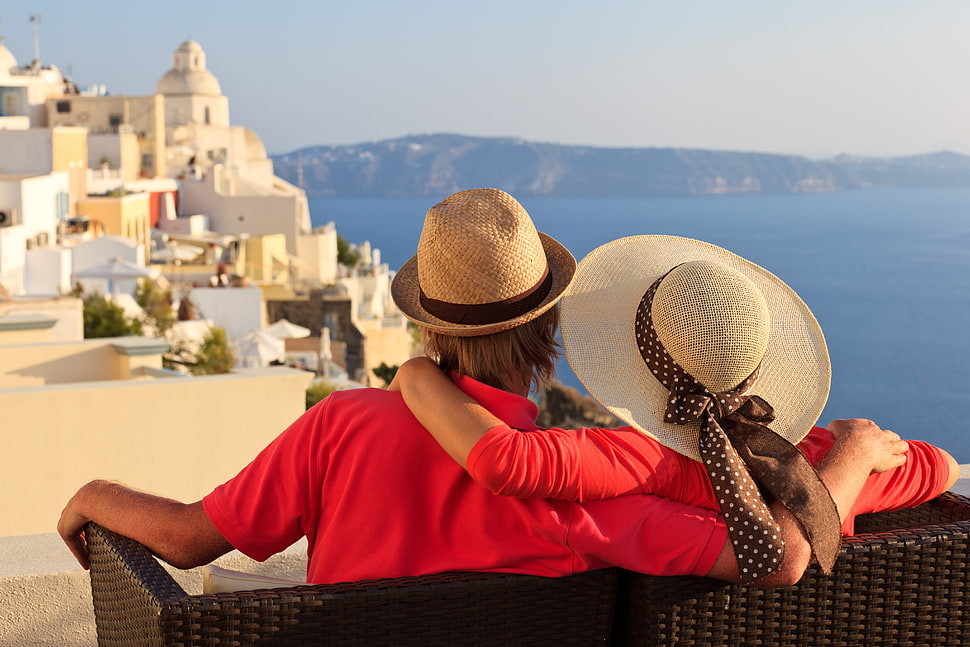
(740,453)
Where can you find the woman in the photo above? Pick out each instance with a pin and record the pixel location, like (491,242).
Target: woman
(730,324)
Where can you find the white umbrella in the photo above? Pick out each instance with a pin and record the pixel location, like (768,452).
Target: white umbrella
(176,253)
(285,330)
(260,346)
(114,270)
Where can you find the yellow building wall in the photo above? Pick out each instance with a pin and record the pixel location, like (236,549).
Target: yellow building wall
(266,259)
(69,148)
(69,153)
(128,215)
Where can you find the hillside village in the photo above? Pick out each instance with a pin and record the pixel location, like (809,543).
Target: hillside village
(166,187)
(99,191)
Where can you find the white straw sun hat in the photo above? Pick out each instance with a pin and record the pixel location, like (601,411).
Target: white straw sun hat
(481,267)
(756,312)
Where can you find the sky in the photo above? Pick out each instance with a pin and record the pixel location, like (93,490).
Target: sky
(819,78)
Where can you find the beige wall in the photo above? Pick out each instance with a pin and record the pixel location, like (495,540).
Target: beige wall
(391,346)
(23,337)
(69,152)
(177,436)
(69,312)
(91,360)
(25,329)
(128,216)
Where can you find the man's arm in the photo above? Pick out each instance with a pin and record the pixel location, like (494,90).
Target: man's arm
(179,533)
(861,448)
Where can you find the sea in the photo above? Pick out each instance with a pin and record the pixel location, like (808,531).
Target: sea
(885,271)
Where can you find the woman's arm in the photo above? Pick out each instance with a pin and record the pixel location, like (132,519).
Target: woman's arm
(455,420)
(571,465)
(580,465)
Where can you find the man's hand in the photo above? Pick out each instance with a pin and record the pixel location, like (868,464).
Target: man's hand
(864,440)
(71,529)
(179,533)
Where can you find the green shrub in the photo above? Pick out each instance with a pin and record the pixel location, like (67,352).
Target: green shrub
(317,391)
(104,318)
(215,354)
(386,373)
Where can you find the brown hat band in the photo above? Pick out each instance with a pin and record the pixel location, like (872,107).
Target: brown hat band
(487,313)
(736,443)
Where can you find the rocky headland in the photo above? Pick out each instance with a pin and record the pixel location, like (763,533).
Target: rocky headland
(440,164)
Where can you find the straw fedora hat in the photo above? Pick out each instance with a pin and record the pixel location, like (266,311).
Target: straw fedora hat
(718,315)
(481,267)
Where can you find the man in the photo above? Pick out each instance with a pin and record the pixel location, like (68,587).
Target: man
(377,497)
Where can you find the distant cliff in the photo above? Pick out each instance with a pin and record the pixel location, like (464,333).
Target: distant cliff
(437,165)
(564,407)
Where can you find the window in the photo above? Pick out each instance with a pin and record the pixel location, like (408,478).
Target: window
(11,105)
(114,120)
(62,205)
(63,106)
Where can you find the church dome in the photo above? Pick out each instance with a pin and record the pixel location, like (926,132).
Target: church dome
(188,74)
(7,60)
(255,150)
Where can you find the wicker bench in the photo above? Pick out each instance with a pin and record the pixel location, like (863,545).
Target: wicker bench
(902,581)
(136,602)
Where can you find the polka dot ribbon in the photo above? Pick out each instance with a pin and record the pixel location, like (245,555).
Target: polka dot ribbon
(740,453)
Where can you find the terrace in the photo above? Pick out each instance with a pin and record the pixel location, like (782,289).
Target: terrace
(46,596)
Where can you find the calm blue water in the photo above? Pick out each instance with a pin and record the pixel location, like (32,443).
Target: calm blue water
(887,274)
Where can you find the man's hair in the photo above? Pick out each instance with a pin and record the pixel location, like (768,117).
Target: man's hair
(529,351)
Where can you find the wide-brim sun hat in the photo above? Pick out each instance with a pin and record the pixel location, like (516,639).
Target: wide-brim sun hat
(598,324)
(481,267)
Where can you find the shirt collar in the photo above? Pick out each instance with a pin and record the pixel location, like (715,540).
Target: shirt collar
(514,410)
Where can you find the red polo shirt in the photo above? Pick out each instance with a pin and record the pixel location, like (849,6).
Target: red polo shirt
(377,497)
